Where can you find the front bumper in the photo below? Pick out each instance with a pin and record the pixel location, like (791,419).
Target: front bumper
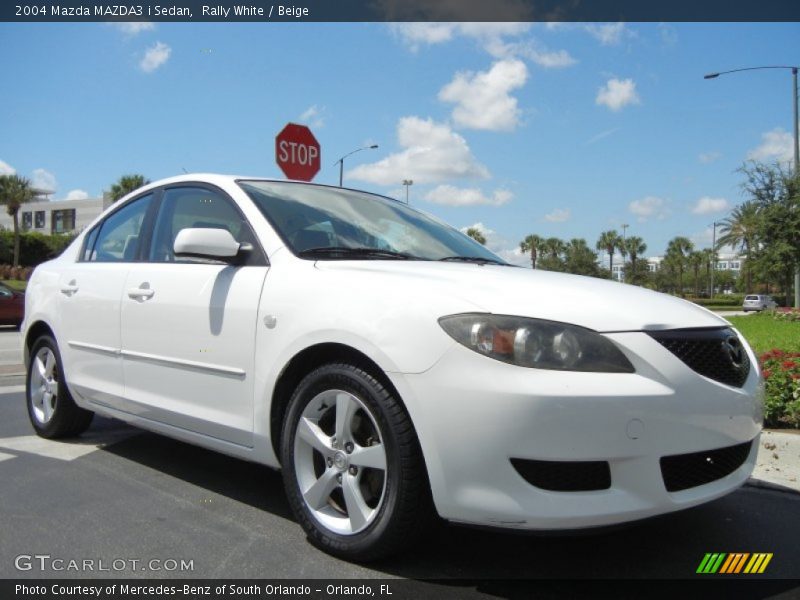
(474,414)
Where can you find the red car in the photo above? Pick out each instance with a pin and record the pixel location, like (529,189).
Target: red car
(12,306)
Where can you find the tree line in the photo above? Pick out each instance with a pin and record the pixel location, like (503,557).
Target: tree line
(764,229)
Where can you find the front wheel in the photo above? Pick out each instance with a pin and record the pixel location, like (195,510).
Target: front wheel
(51,409)
(352,466)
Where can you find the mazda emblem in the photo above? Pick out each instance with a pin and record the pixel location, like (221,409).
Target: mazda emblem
(735,351)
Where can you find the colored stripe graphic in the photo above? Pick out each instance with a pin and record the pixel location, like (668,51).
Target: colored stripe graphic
(734,563)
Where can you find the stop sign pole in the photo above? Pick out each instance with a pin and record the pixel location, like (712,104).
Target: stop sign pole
(297,152)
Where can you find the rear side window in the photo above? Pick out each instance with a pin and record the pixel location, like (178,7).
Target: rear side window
(118,237)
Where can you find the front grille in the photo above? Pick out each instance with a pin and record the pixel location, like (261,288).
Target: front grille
(684,471)
(716,353)
(564,476)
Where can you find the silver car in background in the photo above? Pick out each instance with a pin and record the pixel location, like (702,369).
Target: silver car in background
(758,302)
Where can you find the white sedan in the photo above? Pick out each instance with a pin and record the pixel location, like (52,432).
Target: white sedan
(391,366)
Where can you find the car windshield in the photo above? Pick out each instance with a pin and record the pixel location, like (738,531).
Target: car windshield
(330,223)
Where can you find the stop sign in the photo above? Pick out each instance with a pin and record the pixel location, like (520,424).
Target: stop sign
(297,152)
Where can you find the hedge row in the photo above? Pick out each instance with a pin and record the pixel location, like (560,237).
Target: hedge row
(34,248)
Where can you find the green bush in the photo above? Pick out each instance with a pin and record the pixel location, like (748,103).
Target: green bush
(734,300)
(34,247)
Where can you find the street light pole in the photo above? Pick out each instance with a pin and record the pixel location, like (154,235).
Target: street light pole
(713,259)
(624,252)
(796,134)
(341,160)
(408,183)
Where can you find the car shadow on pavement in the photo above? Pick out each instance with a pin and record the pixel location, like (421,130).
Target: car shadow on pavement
(752,519)
(239,480)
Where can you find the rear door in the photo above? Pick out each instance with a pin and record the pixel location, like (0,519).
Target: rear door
(90,300)
(189,325)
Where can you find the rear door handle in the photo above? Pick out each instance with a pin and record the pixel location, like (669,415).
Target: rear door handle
(69,288)
(140,293)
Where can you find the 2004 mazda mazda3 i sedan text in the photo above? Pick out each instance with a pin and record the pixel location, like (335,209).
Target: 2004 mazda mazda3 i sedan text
(390,365)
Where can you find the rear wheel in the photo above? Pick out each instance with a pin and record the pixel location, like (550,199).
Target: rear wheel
(352,465)
(51,409)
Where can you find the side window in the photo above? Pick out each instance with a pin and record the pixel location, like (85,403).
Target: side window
(186,207)
(118,236)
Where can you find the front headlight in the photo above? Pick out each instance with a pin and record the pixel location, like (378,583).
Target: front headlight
(536,343)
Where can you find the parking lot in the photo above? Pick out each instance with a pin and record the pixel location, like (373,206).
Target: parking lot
(120,494)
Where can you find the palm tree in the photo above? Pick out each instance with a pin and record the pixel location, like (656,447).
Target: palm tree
(531,244)
(740,230)
(126,184)
(695,260)
(677,250)
(552,248)
(14,192)
(580,259)
(609,241)
(634,247)
(477,235)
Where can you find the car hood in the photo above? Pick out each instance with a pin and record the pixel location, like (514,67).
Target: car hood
(593,303)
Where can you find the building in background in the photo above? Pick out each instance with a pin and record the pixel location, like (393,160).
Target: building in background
(62,216)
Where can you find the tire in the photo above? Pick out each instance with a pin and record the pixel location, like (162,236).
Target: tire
(51,409)
(364,495)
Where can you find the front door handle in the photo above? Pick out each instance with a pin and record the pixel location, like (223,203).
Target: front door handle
(141,293)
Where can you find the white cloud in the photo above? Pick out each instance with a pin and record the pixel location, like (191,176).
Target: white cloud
(452,196)
(482,99)
(555,59)
(559,215)
(432,152)
(6,169)
(669,35)
(416,35)
(133,28)
(776,145)
(608,34)
(313,116)
(492,37)
(617,93)
(708,157)
(76,195)
(43,180)
(707,205)
(155,56)
(534,52)
(648,207)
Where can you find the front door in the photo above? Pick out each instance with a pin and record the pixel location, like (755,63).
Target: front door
(189,325)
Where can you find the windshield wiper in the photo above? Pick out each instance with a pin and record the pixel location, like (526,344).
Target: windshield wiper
(345,253)
(479,260)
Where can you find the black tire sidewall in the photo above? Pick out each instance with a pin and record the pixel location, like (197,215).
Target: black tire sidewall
(64,402)
(365,544)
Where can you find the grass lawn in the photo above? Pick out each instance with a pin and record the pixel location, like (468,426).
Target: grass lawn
(16,284)
(765,333)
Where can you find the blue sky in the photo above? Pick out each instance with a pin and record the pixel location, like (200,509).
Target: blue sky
(563,130)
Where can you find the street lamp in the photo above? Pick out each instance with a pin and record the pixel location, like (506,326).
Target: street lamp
(408,183)
(796,133)
(341,160)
